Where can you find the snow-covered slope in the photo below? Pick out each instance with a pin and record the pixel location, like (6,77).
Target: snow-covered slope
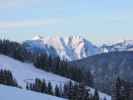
(126,45)
(24,73)
(70,48)
(12,93)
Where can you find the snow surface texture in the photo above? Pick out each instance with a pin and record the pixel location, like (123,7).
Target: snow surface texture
(70,48)
(12,93)
(24,73)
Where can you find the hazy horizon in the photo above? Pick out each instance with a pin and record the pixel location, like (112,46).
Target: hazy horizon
(21,37)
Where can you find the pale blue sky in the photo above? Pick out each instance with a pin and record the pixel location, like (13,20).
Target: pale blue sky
(97,20)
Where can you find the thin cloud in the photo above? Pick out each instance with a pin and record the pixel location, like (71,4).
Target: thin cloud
(10,3)
(27,23)
(19,3)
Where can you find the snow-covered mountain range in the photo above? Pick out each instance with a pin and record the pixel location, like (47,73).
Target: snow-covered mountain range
(73,47)
(70,48)
(126,45)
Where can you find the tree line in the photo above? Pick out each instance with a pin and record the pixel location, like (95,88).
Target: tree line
(13,49)
(60,67)
(71,90)
(7,78)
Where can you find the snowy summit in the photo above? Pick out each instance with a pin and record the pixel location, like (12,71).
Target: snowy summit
(70,48)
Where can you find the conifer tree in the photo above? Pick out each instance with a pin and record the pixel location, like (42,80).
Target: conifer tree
(50,89)
(96,95)
(118,88)
(44,87)
(57,91)
(7,78)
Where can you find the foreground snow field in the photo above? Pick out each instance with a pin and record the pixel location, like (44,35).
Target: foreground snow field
(24,73)
(12,93)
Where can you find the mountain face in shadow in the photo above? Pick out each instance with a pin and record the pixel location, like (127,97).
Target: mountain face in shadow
(107,67)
